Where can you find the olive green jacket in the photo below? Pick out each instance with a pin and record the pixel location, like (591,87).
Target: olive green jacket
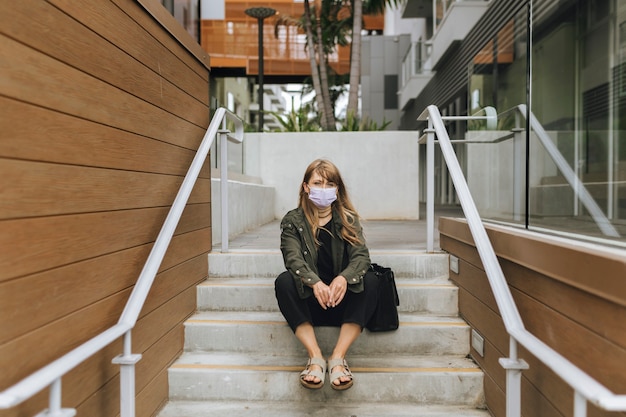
(300,253)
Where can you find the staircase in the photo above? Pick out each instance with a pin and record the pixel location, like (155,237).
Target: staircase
(241,358)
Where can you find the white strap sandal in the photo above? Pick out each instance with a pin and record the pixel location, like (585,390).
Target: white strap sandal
(314,372)
(335,375)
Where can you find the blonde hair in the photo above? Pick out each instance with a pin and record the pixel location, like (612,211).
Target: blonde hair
(342,205)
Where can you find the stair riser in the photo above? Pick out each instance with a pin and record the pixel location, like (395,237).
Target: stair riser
(291,409)
(270,264)
(450,388)
(279,339)
(431,300)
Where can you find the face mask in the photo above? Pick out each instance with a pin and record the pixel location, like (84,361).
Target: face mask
(322,197)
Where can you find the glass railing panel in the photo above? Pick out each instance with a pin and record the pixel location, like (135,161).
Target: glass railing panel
(494,154)
(551,188)
(575,196)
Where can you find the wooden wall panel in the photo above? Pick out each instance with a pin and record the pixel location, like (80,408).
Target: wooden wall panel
(103,110)
(37,244)
(44,80)
(22,315)
(133,60)
(197,60)
(43,189)
(65,139)
(93,319)
(584,324)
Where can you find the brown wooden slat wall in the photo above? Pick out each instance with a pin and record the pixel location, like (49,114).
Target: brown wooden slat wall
(572,299)
(103,105)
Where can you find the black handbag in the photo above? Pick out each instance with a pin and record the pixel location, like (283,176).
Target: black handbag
(385,317)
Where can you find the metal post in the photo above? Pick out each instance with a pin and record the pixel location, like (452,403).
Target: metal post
(580,405)
(54,403)
(127,363)
(54,398)
(430,186)
(223,134)
(260,74)
(518,166)
(514,368)
(260,13)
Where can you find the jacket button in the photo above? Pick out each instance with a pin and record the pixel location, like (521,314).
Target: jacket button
(305,252)
(299,229)
(298,271)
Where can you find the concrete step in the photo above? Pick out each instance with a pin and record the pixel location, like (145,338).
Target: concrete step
(241,359)
(269,263)
(257,294)
(268,332)
(298,409)
(225,376)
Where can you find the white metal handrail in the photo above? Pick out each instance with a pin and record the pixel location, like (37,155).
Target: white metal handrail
(585,387)
(51,374)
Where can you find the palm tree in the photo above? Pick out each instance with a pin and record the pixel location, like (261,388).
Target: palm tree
(355,58)
(318,59)
(328,115)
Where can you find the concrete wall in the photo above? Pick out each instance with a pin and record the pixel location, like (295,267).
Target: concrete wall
(381,169)
(250,205)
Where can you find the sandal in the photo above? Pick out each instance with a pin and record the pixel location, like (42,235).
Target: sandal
(332,364)
(314,372)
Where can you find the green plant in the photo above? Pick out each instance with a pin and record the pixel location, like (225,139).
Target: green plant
(303,119)
(353,123)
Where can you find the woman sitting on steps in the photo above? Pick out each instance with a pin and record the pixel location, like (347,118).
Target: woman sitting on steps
(326,282)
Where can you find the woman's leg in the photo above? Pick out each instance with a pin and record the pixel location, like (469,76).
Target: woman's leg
(306,335)
(359,308)
(298,315)
(348,333)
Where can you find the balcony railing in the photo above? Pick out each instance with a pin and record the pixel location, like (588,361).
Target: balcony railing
(414,60)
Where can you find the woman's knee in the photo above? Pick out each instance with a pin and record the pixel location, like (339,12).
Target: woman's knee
(284,282)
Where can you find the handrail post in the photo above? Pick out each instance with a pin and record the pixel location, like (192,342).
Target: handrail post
(127,363)
(514,368)
(54,403)
(518,171)
(580,405)
(223,134)
(430,186)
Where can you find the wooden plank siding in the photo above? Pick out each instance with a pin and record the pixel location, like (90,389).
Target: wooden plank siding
(570,296)
(103,106)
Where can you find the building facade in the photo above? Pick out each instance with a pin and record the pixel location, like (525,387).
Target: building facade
(562,60)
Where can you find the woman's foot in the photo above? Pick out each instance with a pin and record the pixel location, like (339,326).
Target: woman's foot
(313,375)
(340,375)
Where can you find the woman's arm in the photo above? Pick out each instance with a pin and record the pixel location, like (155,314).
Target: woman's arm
(291,246)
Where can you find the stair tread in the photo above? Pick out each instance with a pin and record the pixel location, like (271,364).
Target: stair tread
(269,282)
(290,363)
(275,317)
(293,408)
(241,359)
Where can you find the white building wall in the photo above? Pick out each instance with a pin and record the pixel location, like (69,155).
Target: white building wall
(380,168)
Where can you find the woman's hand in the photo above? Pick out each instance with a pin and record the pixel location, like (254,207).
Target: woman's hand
(321,292)
(338,288)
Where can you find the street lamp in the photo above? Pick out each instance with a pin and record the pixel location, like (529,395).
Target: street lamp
(260,13)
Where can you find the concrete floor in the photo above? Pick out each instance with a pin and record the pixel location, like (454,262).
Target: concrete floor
(379,234)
